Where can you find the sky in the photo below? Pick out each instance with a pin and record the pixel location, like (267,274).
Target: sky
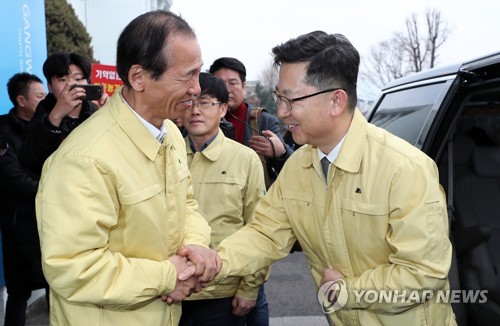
(248,30)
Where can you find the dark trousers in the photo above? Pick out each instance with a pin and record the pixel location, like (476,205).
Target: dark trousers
(210,312)
(17,302)
(259,316)
(15,310)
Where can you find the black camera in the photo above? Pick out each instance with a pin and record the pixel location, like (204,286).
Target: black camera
(92,92)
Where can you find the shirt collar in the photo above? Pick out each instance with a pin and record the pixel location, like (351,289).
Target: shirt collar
(204,145)
(213,149)
(332,156)
(159,134)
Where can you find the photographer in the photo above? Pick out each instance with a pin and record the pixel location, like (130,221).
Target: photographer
(64,108)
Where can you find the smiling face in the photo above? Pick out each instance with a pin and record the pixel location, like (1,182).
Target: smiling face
(321,120)
(310,120)
(172,93)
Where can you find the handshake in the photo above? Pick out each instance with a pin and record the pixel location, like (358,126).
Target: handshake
(196,266)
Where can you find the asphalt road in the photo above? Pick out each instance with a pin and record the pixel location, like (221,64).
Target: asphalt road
(290,290)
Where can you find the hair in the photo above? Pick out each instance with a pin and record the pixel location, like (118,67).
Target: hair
(19,84)
(57,65)
(213,86)
(332,61)
(229,63)
(144,41)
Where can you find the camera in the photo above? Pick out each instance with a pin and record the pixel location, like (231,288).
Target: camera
(92,92)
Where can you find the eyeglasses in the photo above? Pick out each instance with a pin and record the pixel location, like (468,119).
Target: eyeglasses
(280,99)
(203,105)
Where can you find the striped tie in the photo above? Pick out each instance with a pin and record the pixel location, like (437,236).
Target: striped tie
(160,137)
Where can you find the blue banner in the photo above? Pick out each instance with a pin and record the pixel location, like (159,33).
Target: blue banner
(23,46)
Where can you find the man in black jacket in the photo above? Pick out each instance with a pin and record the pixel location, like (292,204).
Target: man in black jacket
(62,110)
(21,248)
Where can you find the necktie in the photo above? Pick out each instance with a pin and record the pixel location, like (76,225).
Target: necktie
(160,137)
(325,163)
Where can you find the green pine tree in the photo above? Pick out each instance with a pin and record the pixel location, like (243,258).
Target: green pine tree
(65,32)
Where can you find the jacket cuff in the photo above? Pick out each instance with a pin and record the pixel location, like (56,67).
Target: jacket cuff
(50,127)
(247,292)
(168,278)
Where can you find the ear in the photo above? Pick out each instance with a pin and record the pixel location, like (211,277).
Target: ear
(21,101)
(223,109)
(339,101)
(136,77)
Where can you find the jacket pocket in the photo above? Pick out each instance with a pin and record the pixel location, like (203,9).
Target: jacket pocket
(222,201)
(305,214)
(140,195)
(364,208)
(305,196)
(366,226)
(438,243)
(302,207)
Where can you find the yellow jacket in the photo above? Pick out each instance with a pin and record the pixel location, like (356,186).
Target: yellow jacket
(113,205)
(228,181)
(381,222)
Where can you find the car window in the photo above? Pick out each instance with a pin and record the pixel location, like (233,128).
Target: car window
(408,113)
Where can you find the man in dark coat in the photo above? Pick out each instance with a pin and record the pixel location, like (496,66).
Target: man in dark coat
(21,248)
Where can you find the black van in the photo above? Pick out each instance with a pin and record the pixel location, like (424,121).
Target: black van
(453,115)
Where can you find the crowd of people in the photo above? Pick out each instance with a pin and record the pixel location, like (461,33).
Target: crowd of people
(168,202)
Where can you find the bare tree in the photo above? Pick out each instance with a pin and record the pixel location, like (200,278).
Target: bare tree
(269,76)
(385,63)
(438,34)
(413,50)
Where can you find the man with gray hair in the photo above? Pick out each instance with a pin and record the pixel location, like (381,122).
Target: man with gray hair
(116,214)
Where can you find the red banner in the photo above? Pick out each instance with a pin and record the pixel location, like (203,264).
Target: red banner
(106,76)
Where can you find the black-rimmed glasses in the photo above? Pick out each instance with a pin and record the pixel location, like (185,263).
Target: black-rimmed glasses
(279,99)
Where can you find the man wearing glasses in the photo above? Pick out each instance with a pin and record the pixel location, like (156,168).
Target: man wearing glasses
(228,181)
(365,206)
(265,139)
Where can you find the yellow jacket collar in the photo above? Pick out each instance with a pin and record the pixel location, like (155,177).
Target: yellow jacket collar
(134,129)
(213,150)
(350,155)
